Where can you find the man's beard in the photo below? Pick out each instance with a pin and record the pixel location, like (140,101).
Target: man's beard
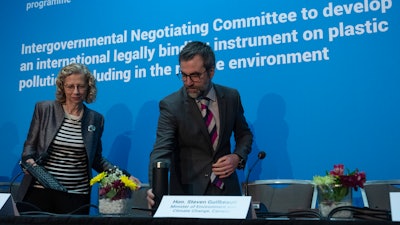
(196,95)
(199,93)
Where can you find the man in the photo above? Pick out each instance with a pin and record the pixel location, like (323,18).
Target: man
(200,163)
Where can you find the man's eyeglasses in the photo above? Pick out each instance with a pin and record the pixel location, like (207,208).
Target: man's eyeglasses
(71,87)
(195,77)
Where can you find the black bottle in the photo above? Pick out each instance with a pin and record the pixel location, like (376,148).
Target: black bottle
(160,182)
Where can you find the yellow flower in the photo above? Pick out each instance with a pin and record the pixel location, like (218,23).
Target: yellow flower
(129,183)
(97,178)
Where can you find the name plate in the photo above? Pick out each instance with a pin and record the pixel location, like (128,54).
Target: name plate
(395,205)
(7,205)
(208,207)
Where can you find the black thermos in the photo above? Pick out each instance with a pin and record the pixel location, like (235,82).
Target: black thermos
(160,182)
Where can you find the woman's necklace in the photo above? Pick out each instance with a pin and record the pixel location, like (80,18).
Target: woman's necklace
(73,117)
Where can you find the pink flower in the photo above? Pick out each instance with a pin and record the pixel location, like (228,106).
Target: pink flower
(338,170)
(353,179)
(104,190)
(337,184)
(118,184)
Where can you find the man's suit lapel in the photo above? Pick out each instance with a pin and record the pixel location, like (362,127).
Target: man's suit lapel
(193,109)
(222,111)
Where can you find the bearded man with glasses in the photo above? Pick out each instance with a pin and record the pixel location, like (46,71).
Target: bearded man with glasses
(195,158)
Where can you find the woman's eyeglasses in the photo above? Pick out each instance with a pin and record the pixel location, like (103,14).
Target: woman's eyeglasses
(71,87)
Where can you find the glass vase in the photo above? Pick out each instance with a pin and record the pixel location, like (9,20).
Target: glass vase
(116,207)
(334,196)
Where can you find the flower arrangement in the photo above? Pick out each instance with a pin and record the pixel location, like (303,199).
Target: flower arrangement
(335,185)
(114,185)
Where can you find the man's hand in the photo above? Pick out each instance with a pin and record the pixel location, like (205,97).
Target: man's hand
(150,198)
(226,165)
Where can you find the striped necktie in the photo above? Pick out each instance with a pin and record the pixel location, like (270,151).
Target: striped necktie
(211,125)
(209,120)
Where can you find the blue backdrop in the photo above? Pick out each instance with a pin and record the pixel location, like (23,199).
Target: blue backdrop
(318,79)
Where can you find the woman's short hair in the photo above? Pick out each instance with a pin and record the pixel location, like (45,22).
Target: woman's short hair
(76,68)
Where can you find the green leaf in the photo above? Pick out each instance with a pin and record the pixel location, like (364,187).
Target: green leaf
(111,193)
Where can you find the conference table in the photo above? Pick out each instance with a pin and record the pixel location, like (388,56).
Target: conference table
(133,220)
(111,220)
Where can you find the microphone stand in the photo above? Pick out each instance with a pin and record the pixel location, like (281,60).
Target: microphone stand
(246,185)
(261,155)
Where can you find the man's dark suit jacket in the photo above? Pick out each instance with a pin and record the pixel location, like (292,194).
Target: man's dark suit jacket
(46,121)
(183,141)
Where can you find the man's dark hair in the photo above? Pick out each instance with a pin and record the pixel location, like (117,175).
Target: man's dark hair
(198,48)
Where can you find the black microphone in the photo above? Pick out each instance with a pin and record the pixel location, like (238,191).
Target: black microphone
(261,155)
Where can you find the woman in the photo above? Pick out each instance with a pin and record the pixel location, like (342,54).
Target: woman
(66,136)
